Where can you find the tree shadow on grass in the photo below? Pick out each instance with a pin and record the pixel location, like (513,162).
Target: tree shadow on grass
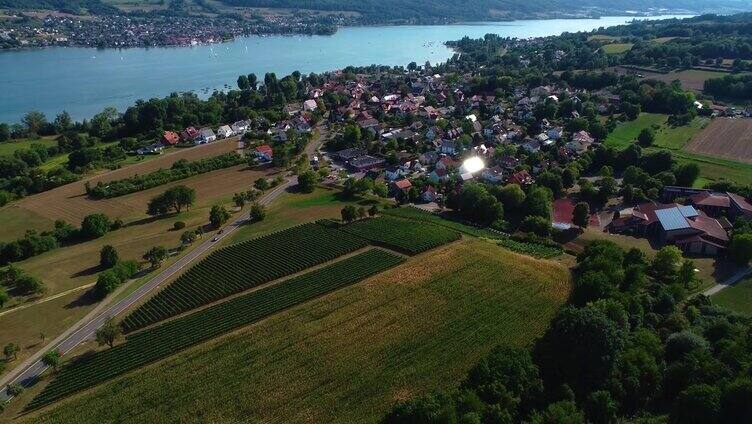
(88,298)
(88,271)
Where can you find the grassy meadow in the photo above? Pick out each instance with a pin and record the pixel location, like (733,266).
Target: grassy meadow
(738,297)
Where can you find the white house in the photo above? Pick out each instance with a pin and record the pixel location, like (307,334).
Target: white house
(205,135)
(240,127)
(225,131)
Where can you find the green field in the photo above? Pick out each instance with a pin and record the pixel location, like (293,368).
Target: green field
(626,133)
(7,148)
(348,356)
(737,297)
(674,139)
(617,48)
(404,235)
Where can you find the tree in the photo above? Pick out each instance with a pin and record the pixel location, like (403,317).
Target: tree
(95,225)
(258,212)
(63,122)
(52,359)
(600,408)
(740,248)
(108,256)
(34,122)
(646,137)
(188,237)
(512,196)
(261,184)
(108,333)
(218,215)
(562,412)
(107,282)
(552,181)
(735,404)
(686,174)
(181,197)
(698,404)
(156,255)
(666,263)
(29,285)
(579,348)
(4,132)
(307,181)
(11,351)
(239,199)
(581,215)
(349,213)
(538,202)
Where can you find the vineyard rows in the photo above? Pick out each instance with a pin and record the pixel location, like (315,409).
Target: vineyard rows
(173,336)
(243,266)
(409,236)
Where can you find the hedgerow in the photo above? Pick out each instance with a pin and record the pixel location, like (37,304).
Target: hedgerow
(180,170)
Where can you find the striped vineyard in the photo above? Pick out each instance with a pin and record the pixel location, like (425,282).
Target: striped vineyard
(168,338)
(408,236)
(244,266)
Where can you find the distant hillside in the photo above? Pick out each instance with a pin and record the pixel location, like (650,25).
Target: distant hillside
(68,6)
(419,10)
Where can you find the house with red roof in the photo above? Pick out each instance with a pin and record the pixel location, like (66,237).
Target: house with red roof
(265,153)
(170,138)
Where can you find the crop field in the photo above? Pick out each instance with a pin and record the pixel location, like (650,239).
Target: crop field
(171,337)
(738,297)
(423,216)
(726,138)
(243,266)
(408,236)
(348,356)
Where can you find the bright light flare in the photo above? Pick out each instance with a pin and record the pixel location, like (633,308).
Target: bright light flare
(473,165)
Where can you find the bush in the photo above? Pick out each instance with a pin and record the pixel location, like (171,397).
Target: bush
(178,225)
(108,256)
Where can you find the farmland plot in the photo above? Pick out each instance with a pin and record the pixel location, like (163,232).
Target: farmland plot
(171,337)
(408,236)
(726,138)
(243,266)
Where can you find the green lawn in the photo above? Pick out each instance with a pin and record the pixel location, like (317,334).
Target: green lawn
(737,298)
(617,48)
(675,138)
(627,132)
(7,148)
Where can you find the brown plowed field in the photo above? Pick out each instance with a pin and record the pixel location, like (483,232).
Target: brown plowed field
(726,138)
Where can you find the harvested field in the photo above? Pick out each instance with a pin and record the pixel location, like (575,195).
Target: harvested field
(692,79)
(726,138)
(70,202)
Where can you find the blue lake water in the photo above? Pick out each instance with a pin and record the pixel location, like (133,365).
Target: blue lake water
(84,81)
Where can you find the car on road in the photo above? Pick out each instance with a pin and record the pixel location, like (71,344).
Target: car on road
(215,239)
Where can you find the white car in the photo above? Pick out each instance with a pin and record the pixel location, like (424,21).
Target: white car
(215,239)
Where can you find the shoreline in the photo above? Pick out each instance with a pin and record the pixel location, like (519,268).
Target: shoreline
(640,15)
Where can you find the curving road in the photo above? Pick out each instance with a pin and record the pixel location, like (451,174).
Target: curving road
(26,373)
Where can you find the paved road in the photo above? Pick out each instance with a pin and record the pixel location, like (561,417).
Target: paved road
(26,373)
(741,274)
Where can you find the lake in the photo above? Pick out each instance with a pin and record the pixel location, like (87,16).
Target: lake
(84,81)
